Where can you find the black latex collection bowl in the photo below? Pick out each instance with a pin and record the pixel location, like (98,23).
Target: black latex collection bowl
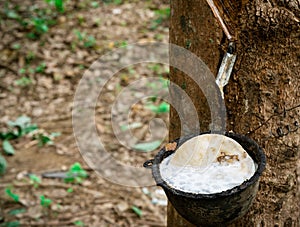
(213,209)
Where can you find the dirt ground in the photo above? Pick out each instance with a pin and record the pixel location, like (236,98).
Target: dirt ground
(48,100)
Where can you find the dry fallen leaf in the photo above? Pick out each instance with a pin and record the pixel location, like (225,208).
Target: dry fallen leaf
(171,146)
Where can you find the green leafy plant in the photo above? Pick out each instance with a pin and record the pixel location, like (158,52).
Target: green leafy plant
(40,25)
(11,224)
(40,18)
(116,2)
(80,35)
(44,138)
(95,4)
(41,68)
(17,211)
(30,56)
(147,147)
(22,71)
(137,211)
(76,174)
(81,19)
(161,108)
(18,128)
(11,14)
(12,195)
(35,180)
(59,4)
(16,46)
(78,223)
(8,148)
(121,44)
(24,81)
(70,190)
(161,16)
(89,42)
(84,39)
(23,126)
(45,202)
(3,165)
(155,67)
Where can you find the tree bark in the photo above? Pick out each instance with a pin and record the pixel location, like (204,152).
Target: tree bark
(188,23)
(262,97)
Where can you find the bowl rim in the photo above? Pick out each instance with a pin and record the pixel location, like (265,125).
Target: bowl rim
(259,158)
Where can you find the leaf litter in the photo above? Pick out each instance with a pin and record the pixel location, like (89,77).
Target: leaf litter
(38,79)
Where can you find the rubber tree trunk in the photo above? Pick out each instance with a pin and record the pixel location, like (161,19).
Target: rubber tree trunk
(262,97)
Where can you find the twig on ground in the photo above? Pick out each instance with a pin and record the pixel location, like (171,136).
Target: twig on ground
(3,66)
